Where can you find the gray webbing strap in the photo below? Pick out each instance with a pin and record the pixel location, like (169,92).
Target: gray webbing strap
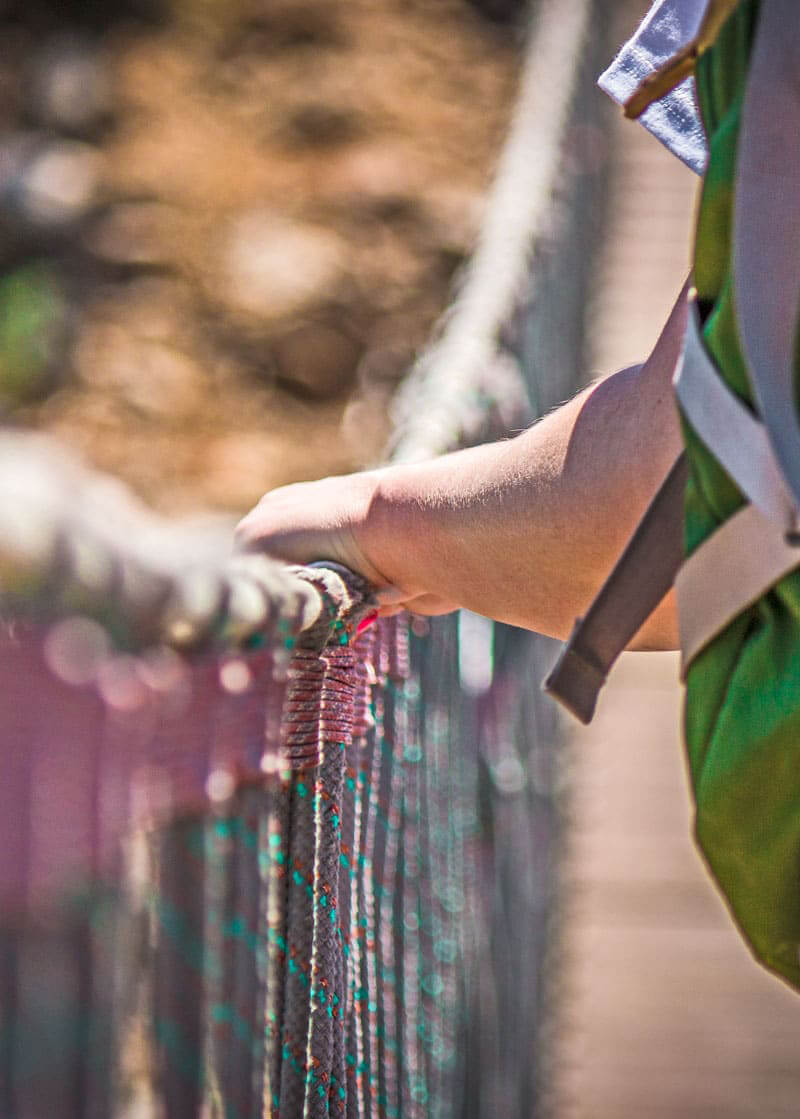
(767,227)
(755,548)
(750,553)
(730,571)
(736,438)
(641,577)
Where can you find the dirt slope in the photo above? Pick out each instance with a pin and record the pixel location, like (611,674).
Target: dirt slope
(225,231)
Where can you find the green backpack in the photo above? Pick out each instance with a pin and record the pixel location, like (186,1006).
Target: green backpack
(737,490)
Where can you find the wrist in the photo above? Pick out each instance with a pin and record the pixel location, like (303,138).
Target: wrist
(397,533)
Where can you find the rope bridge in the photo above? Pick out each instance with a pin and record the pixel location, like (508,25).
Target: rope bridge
(259,854)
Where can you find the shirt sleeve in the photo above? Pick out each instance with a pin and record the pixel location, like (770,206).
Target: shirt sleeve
(675,118)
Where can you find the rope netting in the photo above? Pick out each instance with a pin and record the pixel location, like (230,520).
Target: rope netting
(259,854)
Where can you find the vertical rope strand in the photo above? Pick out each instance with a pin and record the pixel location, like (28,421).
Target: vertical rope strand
(367,774)
(389,791)
(326,1095)
(273,864)
(356,1056)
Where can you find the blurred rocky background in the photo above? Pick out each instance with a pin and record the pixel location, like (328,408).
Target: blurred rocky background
(226,226)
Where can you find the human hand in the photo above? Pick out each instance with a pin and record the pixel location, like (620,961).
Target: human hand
(345,520)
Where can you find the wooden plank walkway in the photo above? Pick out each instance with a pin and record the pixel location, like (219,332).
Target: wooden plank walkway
(663,1012)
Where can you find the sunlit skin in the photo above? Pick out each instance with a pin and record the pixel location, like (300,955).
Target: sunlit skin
(524,530)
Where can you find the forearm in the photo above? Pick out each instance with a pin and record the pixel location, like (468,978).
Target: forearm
(523,531)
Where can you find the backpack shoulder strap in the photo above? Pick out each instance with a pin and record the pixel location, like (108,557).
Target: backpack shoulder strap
(641,577)
(767,228)
(639,580)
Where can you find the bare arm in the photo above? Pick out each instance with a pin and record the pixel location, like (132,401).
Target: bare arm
(523,530)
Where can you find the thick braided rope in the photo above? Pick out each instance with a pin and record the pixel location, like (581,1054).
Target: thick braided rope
(326,1091)
(297,978)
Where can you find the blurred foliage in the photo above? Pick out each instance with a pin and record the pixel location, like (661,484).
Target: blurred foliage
(31,326)
(226,226)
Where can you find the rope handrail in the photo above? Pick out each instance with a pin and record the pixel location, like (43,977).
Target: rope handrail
(278,824)
(467,387)
(69,535)
(74,540)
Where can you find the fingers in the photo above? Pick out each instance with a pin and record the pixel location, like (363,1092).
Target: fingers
(312,521)
(317,521)
(431,605)
(426,604)
(388,595)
